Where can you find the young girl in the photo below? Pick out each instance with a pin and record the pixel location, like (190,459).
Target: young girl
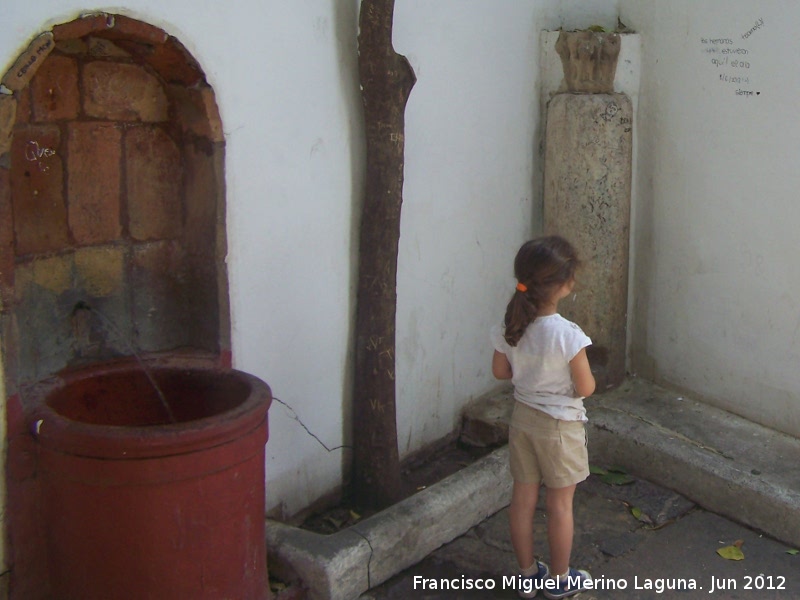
(544,355)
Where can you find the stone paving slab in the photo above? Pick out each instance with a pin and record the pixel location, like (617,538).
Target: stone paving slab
(629,558)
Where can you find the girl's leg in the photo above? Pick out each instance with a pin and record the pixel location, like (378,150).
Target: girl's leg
(520,516)
(560,527)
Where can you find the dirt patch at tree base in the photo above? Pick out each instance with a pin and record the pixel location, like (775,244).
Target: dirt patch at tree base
(417,474)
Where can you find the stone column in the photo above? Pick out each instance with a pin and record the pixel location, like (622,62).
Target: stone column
(587,192)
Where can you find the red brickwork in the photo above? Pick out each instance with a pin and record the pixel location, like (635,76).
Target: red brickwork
(117,142)
(101,48)
(94,182)
(8,115)
(110,26)
(172,61)
(154,177)
(6,242)
(190,110)
(131,29)
(197,112)
(203,191)
(119,91)
(95,23)
(72,47)
(25,67)
(54,90)
(37,184)
(23,106)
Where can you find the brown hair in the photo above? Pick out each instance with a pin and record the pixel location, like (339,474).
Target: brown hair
(542,266)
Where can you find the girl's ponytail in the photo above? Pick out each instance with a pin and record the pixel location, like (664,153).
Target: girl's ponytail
(520,313)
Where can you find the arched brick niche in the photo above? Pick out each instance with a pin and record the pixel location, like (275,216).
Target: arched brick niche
(112,196)
(112,230)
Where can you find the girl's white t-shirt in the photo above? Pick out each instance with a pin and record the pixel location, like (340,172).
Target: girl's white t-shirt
(540,365)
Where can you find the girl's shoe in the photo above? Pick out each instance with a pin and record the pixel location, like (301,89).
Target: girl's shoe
(574,583)
(530,585)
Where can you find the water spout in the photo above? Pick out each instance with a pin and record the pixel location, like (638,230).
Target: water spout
(81,305)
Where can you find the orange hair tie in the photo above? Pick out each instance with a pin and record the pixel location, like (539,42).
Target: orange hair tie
(522,287)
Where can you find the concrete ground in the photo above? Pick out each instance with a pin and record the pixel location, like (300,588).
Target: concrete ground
(672,543)
(701,479)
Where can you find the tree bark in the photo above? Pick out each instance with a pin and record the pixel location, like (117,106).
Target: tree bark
(386,82)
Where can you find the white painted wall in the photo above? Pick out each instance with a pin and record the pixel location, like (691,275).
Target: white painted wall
(285,79)
(717,275)
(467,199)
(471,194)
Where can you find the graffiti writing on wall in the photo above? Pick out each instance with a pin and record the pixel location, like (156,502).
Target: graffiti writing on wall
(36,153)
(732,60)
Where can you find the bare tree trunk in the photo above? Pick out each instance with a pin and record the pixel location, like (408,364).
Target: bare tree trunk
(386,82)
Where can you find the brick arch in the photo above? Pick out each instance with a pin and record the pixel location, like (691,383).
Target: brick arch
(112,197)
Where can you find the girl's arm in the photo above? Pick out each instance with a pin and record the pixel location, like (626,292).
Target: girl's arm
(501,368)
(582,377)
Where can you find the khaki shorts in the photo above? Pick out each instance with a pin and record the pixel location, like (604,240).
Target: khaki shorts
(544,449)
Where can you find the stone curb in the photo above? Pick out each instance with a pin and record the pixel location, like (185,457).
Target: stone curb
(344,565)
(722,462)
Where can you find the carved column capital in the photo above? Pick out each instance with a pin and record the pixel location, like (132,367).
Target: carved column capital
(589,59)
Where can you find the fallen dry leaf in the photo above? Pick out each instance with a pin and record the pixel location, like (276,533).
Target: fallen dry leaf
(638,514)
(733,552)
